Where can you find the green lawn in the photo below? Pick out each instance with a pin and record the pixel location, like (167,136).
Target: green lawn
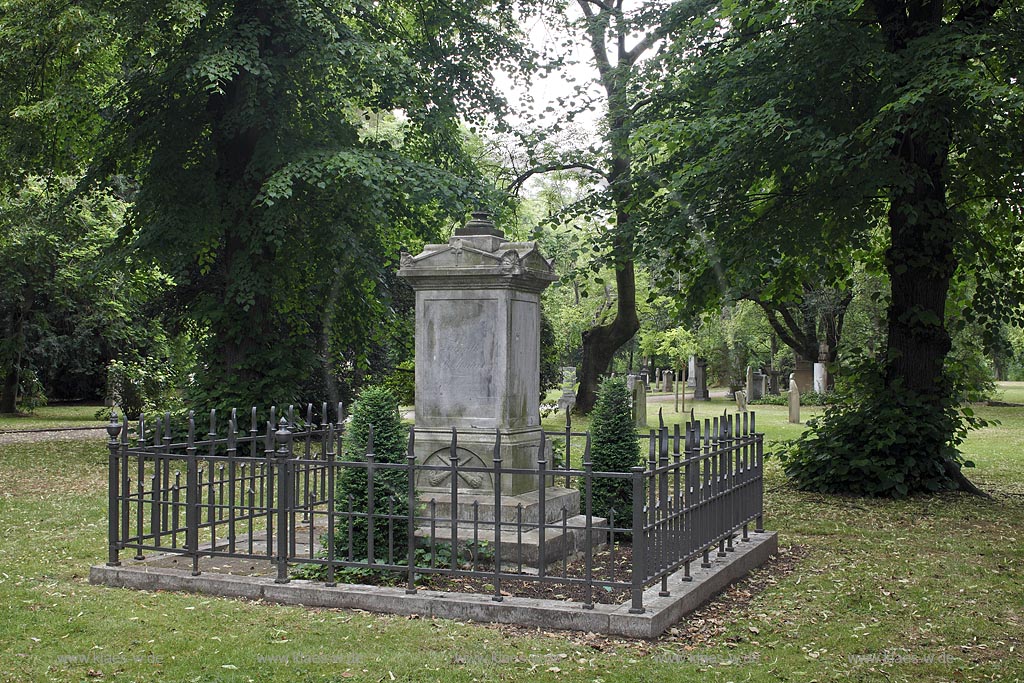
(1011,392)
(930,589)
(49,417)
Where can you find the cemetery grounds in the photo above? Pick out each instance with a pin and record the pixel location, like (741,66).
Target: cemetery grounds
(928,589)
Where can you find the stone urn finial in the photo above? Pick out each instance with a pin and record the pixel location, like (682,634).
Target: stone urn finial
(480,224)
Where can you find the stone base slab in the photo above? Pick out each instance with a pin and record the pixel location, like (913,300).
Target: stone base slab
(660,612)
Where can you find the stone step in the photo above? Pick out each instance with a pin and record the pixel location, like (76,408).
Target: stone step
(559,542)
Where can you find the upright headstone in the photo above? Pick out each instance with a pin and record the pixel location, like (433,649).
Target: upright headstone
(794,400)
(741,401)
(478,353)
(820,378)
(640,404)
(645,376)
(680,395)
(657,379)
(756,390)
(668,378)
(568,398)
(700,378)
(749,383)
(803,373)
(691,371)
(631,381)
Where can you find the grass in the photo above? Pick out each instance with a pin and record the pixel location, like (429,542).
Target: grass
(1011,392)
(928,589)
(52,417)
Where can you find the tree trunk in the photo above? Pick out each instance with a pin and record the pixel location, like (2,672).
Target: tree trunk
(241,332)
(921,260)
(600,343)
(9,398)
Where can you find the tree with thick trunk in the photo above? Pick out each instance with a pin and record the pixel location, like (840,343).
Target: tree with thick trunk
(809,136)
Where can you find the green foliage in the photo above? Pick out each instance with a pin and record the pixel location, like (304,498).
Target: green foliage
(614,448)
(67,309)
(550,369)
(909,166)
(376,407)
(284,155)
(143,385)
(31,394)
(877,442)
(401,382)
(808,398)
(732,338)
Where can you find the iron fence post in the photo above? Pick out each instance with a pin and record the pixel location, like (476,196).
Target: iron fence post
(588,510)
(370,500)
(410,460)
(639,543)
(113,476)
(542,515)
(284,488)
(497,597)
(192,501)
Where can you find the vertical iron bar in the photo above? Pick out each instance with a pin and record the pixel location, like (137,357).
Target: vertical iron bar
(232,453)
(542,521)
(192,496)
(283,436)
(453,461)
(497,597)
(113,494)
(588,541)
(328,447)
(639,543)
(410,460)
(369,496)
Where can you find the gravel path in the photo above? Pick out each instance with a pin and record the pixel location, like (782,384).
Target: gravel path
(91,434)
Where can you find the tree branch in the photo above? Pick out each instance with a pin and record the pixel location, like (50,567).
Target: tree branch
(517,183)
(597,40)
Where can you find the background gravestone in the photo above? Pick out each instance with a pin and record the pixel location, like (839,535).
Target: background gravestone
(568,398)
(700,379)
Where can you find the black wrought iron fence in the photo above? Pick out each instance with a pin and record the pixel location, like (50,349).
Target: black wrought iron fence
(270,492)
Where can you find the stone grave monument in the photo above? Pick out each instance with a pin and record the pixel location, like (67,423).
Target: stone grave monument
(478,371)
(700,379)
(794,400)
(821,369)
(568,398)
(803,372)
(639,394)
(741,401)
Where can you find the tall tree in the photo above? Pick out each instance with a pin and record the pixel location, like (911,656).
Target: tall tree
(265,187)
(618,35)
(821,120)
(58,61)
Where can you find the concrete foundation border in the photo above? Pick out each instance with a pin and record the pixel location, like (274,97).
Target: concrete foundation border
(660,612)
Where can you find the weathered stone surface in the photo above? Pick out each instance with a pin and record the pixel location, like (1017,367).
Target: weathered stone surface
(794,400)
(820,378)
(640,404)
(660,611)
(478,352)
(700,378)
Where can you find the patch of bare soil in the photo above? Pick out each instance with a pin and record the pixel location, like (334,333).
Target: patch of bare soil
(699,628)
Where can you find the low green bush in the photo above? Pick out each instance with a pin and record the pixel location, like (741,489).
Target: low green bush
(873,441)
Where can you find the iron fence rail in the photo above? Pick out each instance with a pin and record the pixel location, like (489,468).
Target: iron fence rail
(266,493)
